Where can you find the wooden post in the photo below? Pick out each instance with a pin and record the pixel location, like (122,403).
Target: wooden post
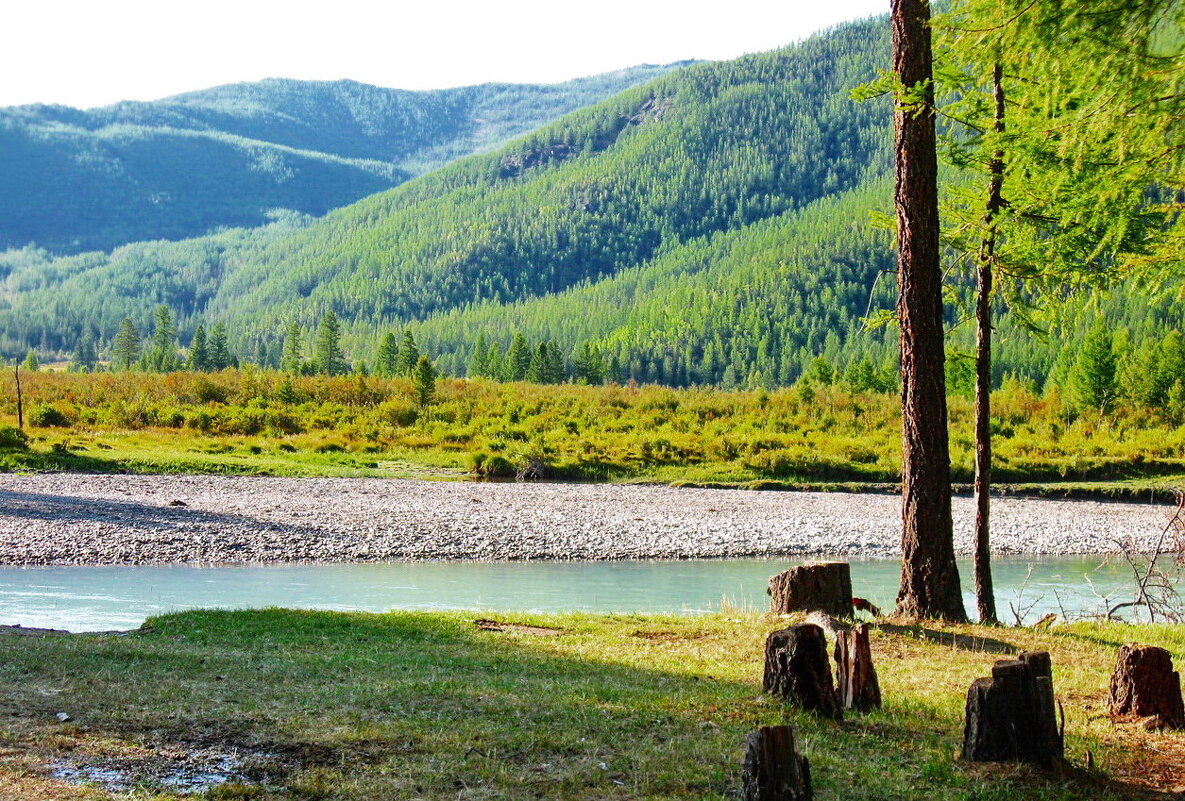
(855,677)
(797,669)
(1144,684)
(1011,716)
(773,769)
(823,587)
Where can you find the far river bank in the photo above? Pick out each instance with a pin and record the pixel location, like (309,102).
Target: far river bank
(102,519)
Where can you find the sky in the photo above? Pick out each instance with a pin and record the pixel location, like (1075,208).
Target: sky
(88,53)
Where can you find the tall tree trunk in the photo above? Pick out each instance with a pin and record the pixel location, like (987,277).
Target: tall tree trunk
(20,399)
(929,576)
(985,599)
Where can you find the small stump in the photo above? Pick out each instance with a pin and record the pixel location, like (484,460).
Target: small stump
(773,769)
(855,677)
(1144,684)
(797,669)
(823,587)
(1011,716)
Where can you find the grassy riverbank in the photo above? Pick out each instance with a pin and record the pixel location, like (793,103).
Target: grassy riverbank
(265,423)
(321,705)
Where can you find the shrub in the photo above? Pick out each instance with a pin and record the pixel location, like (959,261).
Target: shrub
(43,415)
(498,466)
(476,462)
(13,439)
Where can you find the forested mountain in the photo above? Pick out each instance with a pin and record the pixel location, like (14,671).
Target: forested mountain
(709,227)
(74,180)
(706,149)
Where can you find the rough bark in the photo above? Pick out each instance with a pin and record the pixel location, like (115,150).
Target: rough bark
(823,587)
(855,676)
(985,599)
(1144,684)
(773,769)
(929,576)
(797,669)
(1011,716)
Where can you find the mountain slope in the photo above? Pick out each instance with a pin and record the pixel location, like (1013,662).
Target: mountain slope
(73,180)
(709,149)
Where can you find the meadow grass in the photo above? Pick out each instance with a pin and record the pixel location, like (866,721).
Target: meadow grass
(254,422)
(428,705)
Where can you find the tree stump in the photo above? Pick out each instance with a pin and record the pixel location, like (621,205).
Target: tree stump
(1144,684)
(855,677)
(773,769)
(797,669)
(1011,717)
(824,587)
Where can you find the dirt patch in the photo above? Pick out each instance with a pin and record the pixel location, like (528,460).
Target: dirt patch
(496,625)
(669,636)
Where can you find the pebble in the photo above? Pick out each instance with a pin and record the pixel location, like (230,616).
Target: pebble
(84,519)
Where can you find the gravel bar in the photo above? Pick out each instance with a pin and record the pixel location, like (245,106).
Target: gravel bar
(81,519)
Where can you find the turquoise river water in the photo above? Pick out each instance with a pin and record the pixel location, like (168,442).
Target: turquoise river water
(104,598)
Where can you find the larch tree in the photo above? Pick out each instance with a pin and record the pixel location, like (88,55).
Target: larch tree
(929,575)
(1093,90)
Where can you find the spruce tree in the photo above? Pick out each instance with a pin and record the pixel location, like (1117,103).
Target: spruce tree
(85,355)
(328,357)
(199,351)
(125,350)
(386,362)
(1092,379)
(162,346)
(31,363)
(423,380)
(479,366)
(220,356)
(291,360)
(518,359)
(409,354)
(495,363)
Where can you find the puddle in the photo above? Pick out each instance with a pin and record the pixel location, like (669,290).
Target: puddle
(187,773)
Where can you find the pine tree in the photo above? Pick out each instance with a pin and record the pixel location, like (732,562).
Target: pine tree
(929,575)
(31,363)
(386,362)
(409,354)
(328,357)
(199,351)
(424,381)
(125,350)
(220,356)
(292,358)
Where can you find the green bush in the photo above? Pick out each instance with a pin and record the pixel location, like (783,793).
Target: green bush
(13,439)
(43,415)
(498,466)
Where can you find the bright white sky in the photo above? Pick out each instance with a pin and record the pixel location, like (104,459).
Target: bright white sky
(93,52)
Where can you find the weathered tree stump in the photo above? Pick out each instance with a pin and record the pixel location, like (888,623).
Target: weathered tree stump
(773,769)
(855,677)
(797,669)
(1011,717)
(824,587)
(1144,684)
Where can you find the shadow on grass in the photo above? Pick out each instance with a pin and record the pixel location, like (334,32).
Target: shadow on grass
(361,706)
(964,642)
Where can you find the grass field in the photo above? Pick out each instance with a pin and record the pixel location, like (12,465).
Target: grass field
(257,422)
(320,705)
